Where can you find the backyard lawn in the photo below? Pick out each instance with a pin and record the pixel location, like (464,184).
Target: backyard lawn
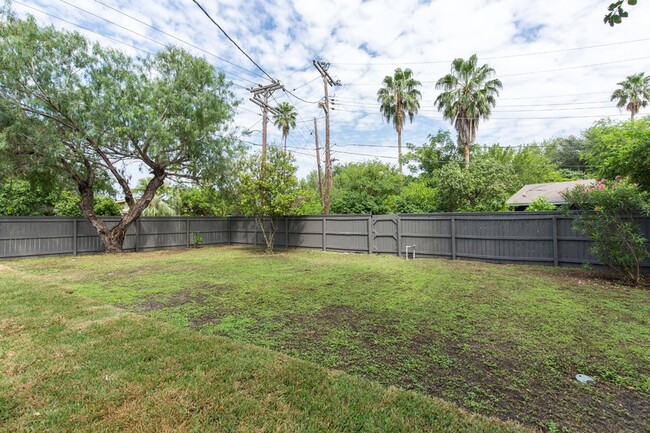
(500,340)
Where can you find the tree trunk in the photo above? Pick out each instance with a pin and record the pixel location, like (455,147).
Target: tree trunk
(113,238)
(466,151)
(269,235)
(399,149)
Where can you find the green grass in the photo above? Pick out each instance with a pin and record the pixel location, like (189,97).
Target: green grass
(504,341)
(71,364)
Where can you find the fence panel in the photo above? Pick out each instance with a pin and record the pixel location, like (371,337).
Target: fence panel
(503,237)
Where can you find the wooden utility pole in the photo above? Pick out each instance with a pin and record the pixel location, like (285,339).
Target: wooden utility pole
(322,67)
(320,174)
(260,98)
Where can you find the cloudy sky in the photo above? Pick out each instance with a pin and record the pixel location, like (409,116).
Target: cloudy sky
(557,60)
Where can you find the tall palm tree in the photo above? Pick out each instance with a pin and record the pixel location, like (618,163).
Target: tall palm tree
(469,94)
(633,94)
(285,119)
(398,97)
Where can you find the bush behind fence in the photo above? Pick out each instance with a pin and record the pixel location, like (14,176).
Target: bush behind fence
(503,237)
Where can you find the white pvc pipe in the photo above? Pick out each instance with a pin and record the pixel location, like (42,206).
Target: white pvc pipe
(412,247)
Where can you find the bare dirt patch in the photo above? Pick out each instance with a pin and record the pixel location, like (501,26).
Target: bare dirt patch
(194,295)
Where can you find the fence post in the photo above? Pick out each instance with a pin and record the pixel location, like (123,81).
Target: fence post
(324,233)
(187,232)
(453,238)
(229,225)
(74,236)
(286,232)
(370,237)
(399,236)
(556,258)
(137,235)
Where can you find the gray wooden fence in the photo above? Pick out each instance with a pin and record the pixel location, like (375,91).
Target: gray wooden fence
(544,238)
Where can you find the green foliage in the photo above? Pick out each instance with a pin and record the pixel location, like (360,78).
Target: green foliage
(270,190)
(364,187)
(201,201)
(607,217)
(68,205)
(284,118)
(633,93)
(22,198)
(540,204)
(86,111)
(439,150)
(107,206)
(529,164)
(197,239)
(620,149)
(484,186)
(398,98)
(565,152)
(416,196)
(616,13)
(310,203)
(468,95)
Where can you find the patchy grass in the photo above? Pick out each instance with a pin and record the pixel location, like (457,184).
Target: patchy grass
(69,364)
(500,340)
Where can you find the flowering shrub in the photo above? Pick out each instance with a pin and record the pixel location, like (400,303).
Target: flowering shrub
(606,211)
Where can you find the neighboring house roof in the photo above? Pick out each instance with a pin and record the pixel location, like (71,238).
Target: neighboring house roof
(551,191)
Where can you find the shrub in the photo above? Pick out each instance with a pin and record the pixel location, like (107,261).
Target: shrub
(606,211)
(68,205)
(540,204)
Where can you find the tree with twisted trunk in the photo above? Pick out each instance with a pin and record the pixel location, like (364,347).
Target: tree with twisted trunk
(92,112)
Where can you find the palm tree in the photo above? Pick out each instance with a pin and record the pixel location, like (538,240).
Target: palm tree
(633,94)
(468,95)
(398,97)
(284,118)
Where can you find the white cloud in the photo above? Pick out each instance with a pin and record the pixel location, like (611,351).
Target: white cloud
(366,40)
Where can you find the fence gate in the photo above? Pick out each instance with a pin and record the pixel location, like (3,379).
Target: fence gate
(385,234)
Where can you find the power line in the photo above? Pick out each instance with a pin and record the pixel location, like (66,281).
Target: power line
(500,57)
(498,106)
(140,34)
(294,151)
(170,35)
(308,82)
(566,95)
(299,115)
(535,72)
(302,68)
(556,96)
(600,116)
(575,67)
(299,98)
(84,28)
(548,104)
(231,40)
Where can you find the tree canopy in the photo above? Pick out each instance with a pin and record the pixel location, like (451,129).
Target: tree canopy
(90,112)
(398,99)
(620,149)
(284,118)
(269,191)
(633,93)
(468,94)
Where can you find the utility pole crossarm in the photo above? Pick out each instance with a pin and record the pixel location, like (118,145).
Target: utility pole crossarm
(261,95)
